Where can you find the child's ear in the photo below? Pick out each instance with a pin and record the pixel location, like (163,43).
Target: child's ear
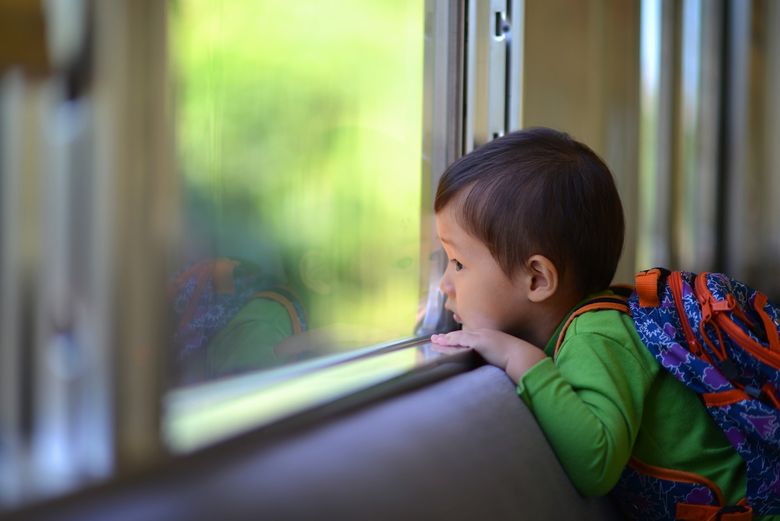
(543,278)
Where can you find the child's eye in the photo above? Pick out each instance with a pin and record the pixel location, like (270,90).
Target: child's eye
(458,265)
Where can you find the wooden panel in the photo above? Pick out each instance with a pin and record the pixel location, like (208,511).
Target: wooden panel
(582,76)
(23,36)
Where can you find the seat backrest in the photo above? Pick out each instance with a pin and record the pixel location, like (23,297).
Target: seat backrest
(463,448)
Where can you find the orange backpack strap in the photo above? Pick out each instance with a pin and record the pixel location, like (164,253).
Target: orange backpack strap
(615,303)
(648,286)
(294,312)
(696,512)
(689,512)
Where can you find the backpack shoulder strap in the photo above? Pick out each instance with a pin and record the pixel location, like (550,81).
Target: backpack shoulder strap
(616,303)
(650,286)
(288,300)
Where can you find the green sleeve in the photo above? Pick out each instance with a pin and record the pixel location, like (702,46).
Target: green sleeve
(248,340)
(589,405)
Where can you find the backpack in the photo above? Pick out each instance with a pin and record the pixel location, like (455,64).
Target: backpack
(208,294)
(721,339)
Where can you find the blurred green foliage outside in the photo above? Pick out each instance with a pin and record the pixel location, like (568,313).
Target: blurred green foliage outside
(298,128)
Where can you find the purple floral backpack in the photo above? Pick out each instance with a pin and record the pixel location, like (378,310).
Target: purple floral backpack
(720,338)
(208,294)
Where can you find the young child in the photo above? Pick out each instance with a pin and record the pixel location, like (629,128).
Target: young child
(532,225)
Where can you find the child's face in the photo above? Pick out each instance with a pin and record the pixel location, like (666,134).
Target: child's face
(478,291)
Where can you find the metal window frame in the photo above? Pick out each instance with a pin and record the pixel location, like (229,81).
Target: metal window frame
(473,93)
(441,144)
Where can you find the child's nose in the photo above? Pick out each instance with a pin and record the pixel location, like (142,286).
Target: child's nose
(445,285)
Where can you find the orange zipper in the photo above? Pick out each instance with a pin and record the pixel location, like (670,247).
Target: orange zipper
(676,285)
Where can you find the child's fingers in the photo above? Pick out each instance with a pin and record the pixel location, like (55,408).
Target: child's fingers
(443,340)
(456,338)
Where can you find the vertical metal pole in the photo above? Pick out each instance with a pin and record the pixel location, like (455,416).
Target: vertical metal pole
(23,235)
(515,47)
(487,72)
(736,139)
(660,26)
(134,200)
(703,185)
(771,264)
(442,138)
(668,139)
(11,445)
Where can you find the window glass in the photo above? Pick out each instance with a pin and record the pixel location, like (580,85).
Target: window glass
(298,130)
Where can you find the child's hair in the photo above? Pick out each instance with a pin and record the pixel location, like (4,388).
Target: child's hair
(538,191)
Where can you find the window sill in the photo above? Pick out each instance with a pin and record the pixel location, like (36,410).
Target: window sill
(204,415)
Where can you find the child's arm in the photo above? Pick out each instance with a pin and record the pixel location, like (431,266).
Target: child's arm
(589,404)
(506,352)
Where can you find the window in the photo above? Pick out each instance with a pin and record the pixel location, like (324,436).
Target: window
(298,141)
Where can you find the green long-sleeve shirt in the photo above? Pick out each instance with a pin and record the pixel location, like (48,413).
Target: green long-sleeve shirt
(247,342)
(605,398)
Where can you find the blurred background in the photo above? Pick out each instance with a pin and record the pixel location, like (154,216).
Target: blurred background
(195,190)
(298,136)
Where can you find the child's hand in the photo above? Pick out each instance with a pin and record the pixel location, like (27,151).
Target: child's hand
(506,352)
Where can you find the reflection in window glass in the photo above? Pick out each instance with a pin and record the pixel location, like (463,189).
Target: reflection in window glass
(299,133)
